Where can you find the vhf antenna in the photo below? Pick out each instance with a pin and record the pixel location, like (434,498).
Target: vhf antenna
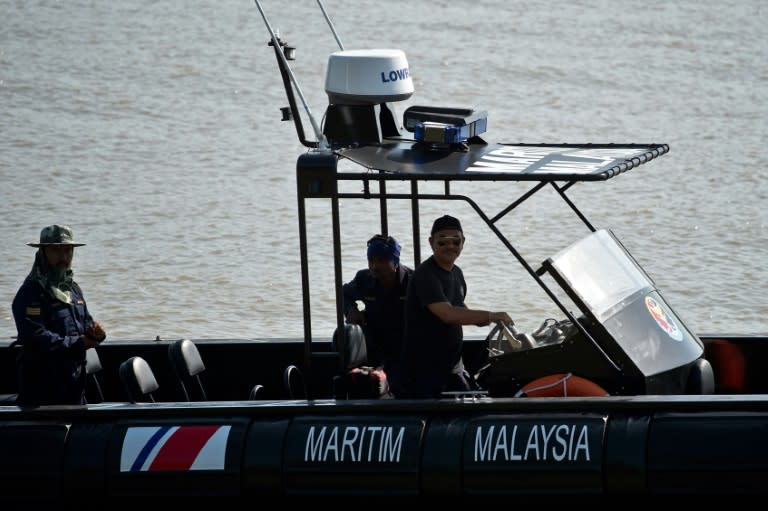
(330,24)
(322,142)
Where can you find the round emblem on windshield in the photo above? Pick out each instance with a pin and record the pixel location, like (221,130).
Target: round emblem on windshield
(663,319)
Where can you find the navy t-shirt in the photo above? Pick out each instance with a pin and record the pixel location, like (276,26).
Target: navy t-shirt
(383,313)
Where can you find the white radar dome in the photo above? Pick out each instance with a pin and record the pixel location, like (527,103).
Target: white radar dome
(368,77)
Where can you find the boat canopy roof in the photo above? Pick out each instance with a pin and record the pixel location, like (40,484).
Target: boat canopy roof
(409,160)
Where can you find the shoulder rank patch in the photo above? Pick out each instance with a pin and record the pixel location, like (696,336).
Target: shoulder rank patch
(33,311)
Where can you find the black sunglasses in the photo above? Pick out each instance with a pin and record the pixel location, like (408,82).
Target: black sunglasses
(456,242)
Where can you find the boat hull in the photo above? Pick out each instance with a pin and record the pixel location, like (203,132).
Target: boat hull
(468,446)
(242,448)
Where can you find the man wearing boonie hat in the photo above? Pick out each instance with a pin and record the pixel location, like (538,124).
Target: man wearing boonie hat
(382,288)
(53,324)
(434,314)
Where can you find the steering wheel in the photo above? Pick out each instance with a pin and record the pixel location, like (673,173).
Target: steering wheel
(502,339)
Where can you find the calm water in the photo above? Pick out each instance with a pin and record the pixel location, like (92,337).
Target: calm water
(153,129)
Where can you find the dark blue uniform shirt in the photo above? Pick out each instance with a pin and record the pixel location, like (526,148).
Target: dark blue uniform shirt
(51,364)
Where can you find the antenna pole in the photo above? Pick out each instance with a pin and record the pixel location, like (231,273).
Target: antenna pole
(321,140)
(330,24)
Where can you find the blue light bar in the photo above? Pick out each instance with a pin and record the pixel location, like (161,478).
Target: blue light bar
(441,133)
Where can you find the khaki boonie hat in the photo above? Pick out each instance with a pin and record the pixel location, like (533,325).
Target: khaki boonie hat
(56,235)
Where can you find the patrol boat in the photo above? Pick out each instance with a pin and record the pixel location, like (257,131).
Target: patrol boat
(616,396)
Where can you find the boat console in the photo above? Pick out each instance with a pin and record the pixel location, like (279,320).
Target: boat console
(627,338)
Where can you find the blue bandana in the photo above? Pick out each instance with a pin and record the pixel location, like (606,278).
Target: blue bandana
(388,248)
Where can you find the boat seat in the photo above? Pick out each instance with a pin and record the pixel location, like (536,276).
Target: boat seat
(92,368)
(8,399)
(701,378)
(355,353)
(188,365)
(138,380)
(293,382)
(256,392)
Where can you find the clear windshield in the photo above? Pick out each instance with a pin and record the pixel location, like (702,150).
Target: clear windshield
(601,272)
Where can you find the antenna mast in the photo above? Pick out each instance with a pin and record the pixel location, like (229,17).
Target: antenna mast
(321,140)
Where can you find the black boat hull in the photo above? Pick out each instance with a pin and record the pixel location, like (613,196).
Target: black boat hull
(503,446)
(242,448)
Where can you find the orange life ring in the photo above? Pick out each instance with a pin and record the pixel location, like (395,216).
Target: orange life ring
(561,385)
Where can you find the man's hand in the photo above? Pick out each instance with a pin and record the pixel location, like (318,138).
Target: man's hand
(494,317)
(96,332)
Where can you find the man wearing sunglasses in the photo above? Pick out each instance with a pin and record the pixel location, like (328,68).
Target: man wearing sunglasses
(382,288)
(431,360)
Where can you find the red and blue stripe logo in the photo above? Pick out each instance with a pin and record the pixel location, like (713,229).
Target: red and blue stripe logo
(174,448)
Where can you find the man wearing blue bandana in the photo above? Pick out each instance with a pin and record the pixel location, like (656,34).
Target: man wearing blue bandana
(53,324)
(382,288)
